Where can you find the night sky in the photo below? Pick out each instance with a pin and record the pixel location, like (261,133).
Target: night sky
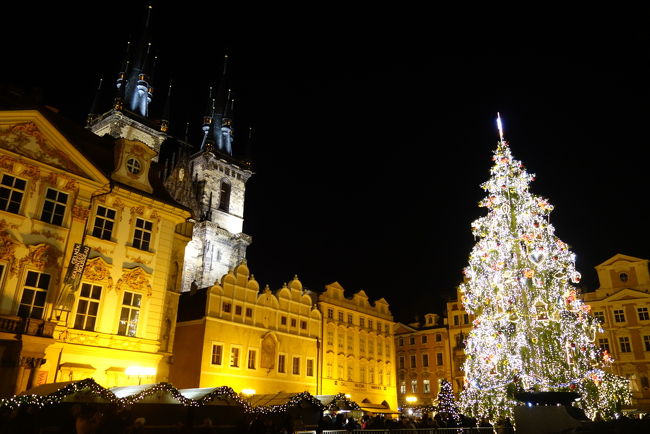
(373,129)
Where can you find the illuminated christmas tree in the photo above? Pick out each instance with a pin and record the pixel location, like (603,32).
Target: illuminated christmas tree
(445,404)
(531,330)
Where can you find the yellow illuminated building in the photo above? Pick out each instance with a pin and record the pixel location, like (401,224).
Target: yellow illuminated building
(231,334)
(423,357)
(62,187)
(358,356)
(459,324)
(622,304)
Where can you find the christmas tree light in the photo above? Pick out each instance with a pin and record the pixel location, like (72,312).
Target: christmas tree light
(531,330)
(445,404)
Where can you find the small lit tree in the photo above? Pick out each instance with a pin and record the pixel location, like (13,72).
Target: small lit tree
(531,330)
(445,404)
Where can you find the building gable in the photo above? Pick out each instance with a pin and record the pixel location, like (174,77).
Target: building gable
(30,135)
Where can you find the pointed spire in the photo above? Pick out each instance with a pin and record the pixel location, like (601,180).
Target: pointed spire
(187,132)
(92,114)
(164,123)
(118,103)
(500,127)
(139,92)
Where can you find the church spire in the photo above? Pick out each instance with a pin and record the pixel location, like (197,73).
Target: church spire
(138,89)
(222,113)
(164,122)
(92,114)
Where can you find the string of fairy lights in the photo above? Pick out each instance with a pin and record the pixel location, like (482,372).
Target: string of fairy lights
(224,393)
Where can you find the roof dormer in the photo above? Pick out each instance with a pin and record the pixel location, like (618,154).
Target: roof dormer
(132,163)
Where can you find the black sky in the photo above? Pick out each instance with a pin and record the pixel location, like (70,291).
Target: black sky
(374,129)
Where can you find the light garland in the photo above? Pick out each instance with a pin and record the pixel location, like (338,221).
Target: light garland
(223,393)
(294,401)
(531,330)
(339,398)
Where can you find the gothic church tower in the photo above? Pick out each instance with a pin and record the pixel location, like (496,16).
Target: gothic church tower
(210,181)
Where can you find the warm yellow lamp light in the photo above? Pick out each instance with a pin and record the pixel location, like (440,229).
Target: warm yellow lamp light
(411,399)
(140,371)
(248,392)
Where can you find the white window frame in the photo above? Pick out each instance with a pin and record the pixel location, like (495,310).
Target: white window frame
(254,359)
(231,353)
(56,206)
(294,365)
(212,347)
(283,365)
(88,301)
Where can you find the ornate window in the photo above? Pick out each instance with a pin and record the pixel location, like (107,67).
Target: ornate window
(142,234)
(133,166)
(32,302)
(129,314)
(54,206)
(414,386)
(426,385)
(12,191)
(104,223)
(88,306)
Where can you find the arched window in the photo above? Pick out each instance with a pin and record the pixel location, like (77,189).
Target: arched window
(224,196)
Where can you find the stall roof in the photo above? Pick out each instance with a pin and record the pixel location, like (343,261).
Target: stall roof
(46,389)
(200,393)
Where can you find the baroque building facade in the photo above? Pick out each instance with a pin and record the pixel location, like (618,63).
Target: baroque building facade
(358,355)
(459,324)
(67,195)
(622,305)
(424,357)
(233,334)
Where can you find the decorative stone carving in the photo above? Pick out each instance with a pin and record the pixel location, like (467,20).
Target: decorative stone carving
(8,243)
(98,270)
(41,256)
(80,212)
(49,235)
(269,346)
(26,139)
(135,279)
